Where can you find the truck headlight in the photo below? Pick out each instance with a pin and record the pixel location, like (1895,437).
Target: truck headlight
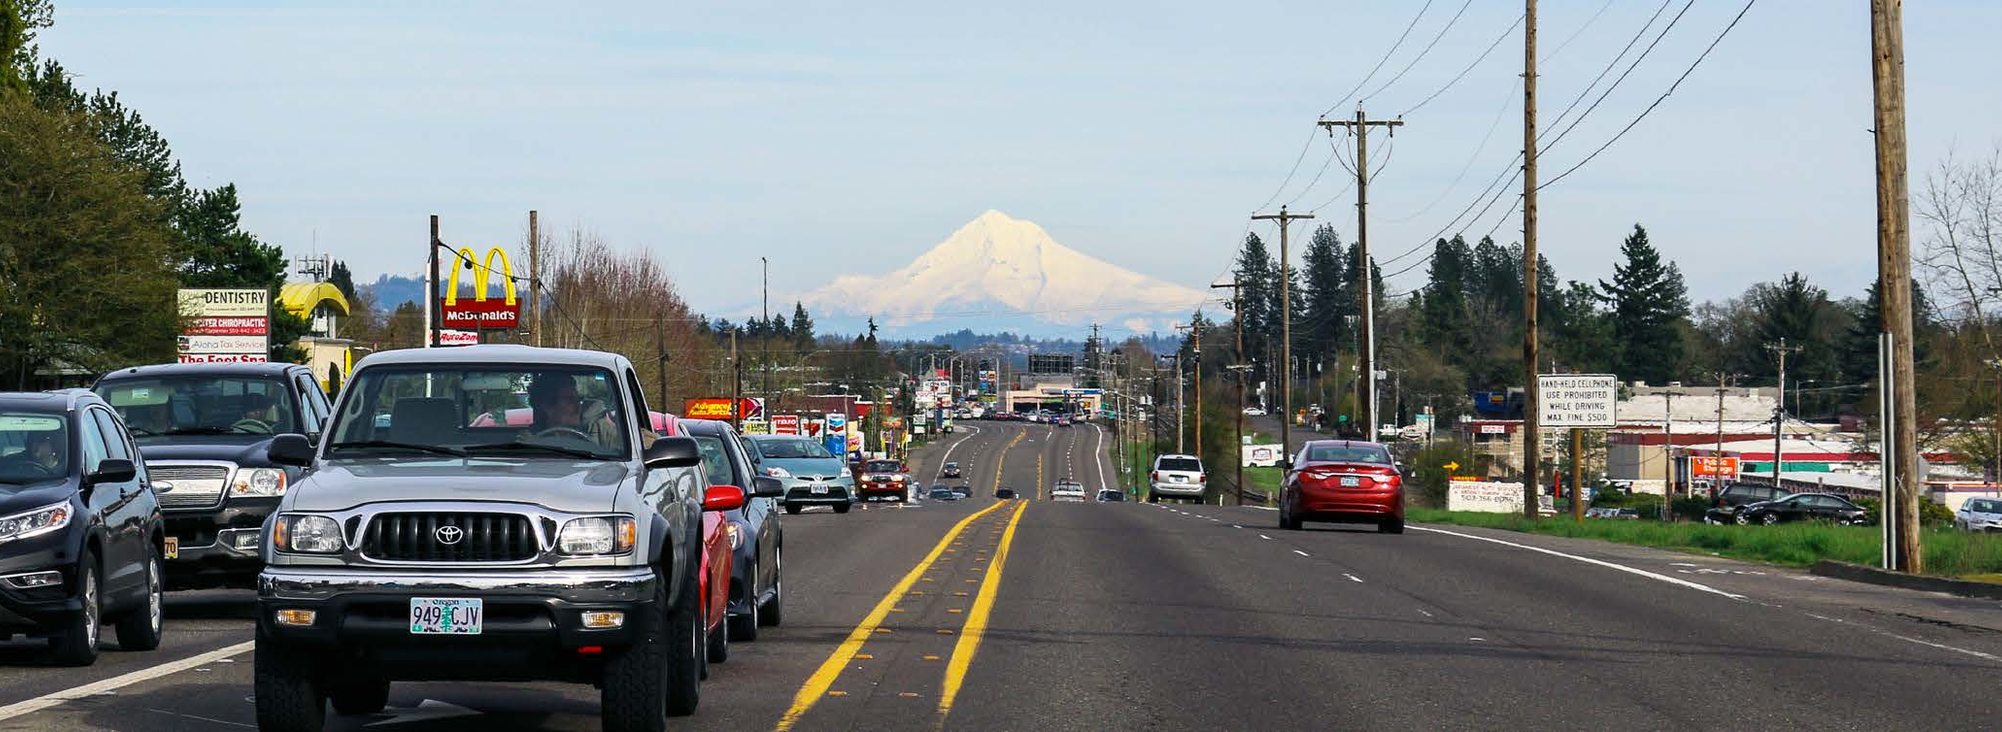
(306,534)
(259,482)
(597,535)
(36,522)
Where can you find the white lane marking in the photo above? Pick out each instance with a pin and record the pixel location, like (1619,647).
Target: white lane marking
(1589,560)
(1351,577)
(1262,536)
(1907,639)
(1099,450)
(202,719)
(1301,553)
(1264,508)
(1421,611)
(1477,640)
(1237,526)
(19,709)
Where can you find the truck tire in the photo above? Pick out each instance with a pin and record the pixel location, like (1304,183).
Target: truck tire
(684,646)
(358,694)
(289,698)
(635,696)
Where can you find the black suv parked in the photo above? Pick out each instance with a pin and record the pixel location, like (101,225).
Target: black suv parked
(203,430)
(757,582)
(1724,507)
(80,533)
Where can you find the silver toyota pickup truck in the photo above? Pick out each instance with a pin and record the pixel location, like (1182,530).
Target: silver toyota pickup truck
(491,513)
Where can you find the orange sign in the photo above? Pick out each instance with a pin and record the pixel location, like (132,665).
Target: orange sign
(717,408)
(1715,468)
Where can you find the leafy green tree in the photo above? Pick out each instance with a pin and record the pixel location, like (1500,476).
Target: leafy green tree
(19,19)
(88,281)
(1581,334)
(1801,313)
(1443,322)
(1858,357)
(1650,303)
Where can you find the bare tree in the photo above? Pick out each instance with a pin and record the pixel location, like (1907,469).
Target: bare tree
(624,302)
(1961,257)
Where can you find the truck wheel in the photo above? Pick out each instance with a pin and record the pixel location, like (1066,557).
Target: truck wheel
(358,694)
(288,697)
(75,642)
(683,644)
(793,509)
(635,693)
(140,629)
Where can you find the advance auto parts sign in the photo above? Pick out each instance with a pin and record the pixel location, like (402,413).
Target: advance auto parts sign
(225,326)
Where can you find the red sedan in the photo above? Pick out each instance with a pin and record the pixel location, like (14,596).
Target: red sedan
(1343,481)
(715,575)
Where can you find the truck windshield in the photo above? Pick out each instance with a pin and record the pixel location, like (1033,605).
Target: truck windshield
(157,407)
(532,412)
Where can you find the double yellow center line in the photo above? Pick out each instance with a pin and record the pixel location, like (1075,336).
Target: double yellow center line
(823,678)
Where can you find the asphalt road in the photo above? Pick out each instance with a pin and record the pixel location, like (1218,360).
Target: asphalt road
(1034,615)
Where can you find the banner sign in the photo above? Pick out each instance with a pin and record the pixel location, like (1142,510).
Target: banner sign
(1713,467)
(1577,400)
(481,313)
(225,326)
(757,427)
(785,424)
(1260,456)
(1490,497)
(458,338)
(719,408)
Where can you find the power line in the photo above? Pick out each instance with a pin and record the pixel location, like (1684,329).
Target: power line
(1332,154)
(1672,22)
(1658,100)
(1422,53)
(1470,67)
(1379,62)
(1574,34)
(1610,65)
(1507,100)
(1304,147)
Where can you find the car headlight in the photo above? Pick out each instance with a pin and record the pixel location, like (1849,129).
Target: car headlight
(777,472)
(735,532)
(597,535)
(306,534)
(259,482)
(35,523)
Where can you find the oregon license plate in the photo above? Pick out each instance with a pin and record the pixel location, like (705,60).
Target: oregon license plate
(446,616)
(1351,482)
(173,547)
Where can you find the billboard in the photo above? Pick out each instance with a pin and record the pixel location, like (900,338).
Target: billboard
(225,326)
(480,312)
(1490,497)
(1577,400)
(1713,467)
(719,408)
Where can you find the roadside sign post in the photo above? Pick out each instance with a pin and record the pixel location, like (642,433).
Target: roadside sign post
(1577,402)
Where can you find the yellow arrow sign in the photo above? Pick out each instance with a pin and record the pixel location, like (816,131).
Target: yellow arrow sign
(1451,466)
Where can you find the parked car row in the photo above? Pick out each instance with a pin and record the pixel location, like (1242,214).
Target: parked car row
(1749,504)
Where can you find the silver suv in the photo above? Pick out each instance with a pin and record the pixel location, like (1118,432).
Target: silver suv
(489,513)
(1176,476)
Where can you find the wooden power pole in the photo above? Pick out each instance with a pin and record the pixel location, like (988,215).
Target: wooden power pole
(1532,424)
(535,277)
(1894,271)
(1286,324)
(1366,279)
(1237,326)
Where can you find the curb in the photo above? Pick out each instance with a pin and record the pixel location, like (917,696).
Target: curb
(1875,576)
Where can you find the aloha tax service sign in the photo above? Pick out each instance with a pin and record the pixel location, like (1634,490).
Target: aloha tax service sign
(225,325)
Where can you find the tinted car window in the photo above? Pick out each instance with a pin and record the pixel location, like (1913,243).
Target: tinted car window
(1187,464)
(1981,506)
(715,462)
(882,466)
(528,412)
(114,438)
(33,447)
(1348,454)
(795,448)
(153,407)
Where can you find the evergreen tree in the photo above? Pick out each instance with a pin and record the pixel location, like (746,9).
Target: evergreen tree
(1325,297)
(1802,314)
(802,327)
(1650,303)
(1443,321)
(1858,348)
(343,280)
(1258,290)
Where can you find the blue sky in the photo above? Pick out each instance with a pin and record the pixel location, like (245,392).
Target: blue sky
(839,137)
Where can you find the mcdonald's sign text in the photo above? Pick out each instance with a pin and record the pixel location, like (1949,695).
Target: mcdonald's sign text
(481,312)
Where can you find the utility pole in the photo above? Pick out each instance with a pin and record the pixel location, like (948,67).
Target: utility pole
(1366,280)
(432,316)
(1532,422)
(1995,459)
(535,277)
(765,358)
(1668,451)
(1894,273)
(1577,474)
(1286,321)
(660,347)
(1780,412)
(1242,370)
(1181,406)
(736,386)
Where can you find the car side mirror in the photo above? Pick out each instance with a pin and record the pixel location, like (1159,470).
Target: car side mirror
(723,498)
(292,450)
(674,452)
(767,487)
(113,470)
(1286,464)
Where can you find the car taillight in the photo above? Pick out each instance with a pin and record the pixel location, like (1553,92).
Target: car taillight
(1154,476)
(1202,478)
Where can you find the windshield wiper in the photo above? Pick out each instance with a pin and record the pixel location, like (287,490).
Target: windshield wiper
(556,449)
(389,445)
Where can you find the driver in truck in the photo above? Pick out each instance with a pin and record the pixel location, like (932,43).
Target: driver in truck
(558,408)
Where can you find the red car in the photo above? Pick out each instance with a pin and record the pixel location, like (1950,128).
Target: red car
(716,557)
(884,480)
(1343,481)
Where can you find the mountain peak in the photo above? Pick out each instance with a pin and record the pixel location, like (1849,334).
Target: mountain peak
(1001,267)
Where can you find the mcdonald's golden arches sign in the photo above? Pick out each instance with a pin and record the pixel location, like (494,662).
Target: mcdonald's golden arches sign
(482,311)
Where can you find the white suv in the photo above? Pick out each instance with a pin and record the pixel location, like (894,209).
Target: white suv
(1176,476)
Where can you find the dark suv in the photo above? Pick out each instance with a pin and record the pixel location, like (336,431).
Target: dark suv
(432,539)
(203,431)
(1724,506)
(757,584)
(80,533)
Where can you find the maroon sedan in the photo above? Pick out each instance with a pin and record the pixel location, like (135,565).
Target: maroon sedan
(1343,481)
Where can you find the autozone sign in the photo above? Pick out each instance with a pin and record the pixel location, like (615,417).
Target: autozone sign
(481,313)
(785,424)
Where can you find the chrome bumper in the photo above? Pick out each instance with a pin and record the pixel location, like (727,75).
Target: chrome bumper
(577,586)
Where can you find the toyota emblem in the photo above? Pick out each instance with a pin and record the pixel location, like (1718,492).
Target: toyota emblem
(449,535)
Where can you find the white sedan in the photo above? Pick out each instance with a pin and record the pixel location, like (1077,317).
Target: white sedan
(1067,491)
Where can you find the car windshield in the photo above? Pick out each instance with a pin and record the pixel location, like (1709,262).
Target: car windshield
(715,461)
(1191,465)
(1348,454)
(792,449)
(1981,506)
(883,466)
(157,407)
(33,448)
(476,409)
